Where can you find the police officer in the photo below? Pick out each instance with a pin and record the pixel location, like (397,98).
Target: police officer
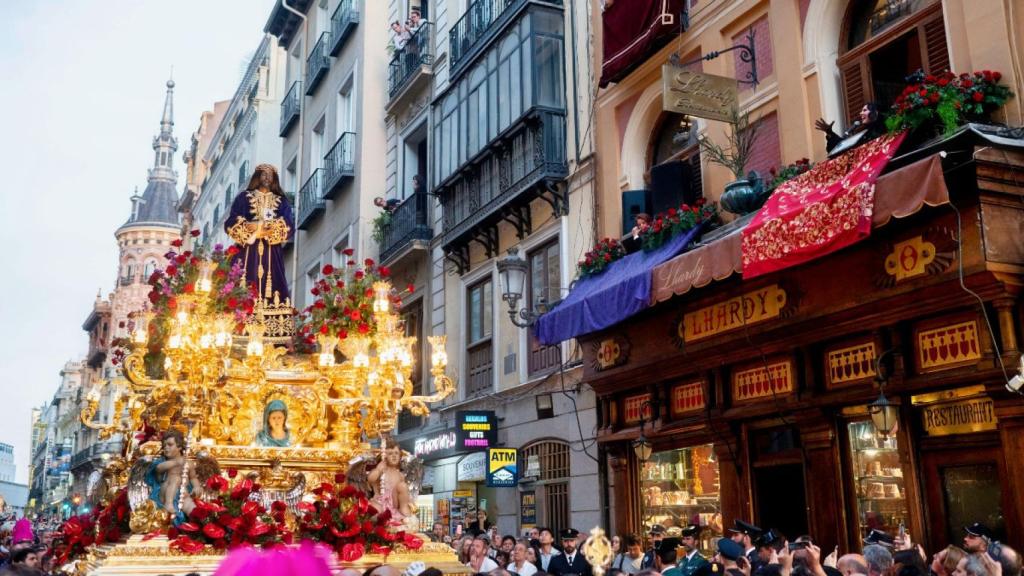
(657,534)
(571,562)
(744,534)
(689,564)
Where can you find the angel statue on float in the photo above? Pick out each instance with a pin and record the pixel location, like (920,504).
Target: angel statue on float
(260,222)
(394,482)
(155,482)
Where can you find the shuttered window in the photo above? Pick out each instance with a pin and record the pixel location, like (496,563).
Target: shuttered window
(884,48)
(553,483)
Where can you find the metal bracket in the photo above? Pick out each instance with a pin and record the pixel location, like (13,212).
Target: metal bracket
(520,218)
(559,201)
(459,256)
(487,236)
(748,55)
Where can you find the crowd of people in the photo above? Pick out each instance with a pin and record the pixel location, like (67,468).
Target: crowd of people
(23,553)
(746,551)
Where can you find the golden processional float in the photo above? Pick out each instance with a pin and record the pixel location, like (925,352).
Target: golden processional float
(236,418)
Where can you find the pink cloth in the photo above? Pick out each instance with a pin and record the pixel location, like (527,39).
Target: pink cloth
(22,531)
(306,560)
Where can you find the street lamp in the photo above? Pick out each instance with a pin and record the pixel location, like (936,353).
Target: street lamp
(513,271)
(642,446)
(884,414)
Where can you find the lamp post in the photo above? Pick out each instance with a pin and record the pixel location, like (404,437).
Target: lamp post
(884,414)
(513,272)
(642,446)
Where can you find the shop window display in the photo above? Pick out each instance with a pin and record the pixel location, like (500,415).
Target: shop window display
(681,487)
(878,479)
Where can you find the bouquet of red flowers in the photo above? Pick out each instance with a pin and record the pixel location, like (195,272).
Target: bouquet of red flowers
(344,302)
(230,516)
(674,221)
(342,516)
(112,520)
(73,537)
(788,172)
(608,250)
(947,98)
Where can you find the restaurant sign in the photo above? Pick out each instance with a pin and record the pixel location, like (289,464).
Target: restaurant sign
(750,308)
(698,94)
(961,417)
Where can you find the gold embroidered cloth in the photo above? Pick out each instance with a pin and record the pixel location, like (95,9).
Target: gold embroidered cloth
(821,211)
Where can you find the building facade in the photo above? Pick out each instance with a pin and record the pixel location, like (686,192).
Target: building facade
(246,136)
(58,425)
(142,241)
(196,166)
(331,122)
(6,462)
(489,149)
(710,405)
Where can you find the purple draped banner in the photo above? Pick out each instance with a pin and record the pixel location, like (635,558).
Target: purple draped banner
(622,290)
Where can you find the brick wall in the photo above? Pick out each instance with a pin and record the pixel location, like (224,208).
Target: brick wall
(767,149)
(762,47)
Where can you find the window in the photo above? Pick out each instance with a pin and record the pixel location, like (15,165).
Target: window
(545,286)
(150,268)
(229,196)
(312,275)
(316,147)
(884,41)
(479,350)
(552,458)
(216,215)
(340,259)
(344,113)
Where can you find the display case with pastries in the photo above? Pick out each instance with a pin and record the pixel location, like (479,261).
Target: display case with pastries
(681,487)
(878,479)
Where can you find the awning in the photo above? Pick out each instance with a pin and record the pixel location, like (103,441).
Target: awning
(898,194)
(632,28)
(600,301)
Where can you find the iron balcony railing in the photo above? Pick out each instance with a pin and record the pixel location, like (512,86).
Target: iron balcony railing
(339,164)
(290,106)
(311,199)
(343,22)
(482,20)
(409,222)
(95,451)
(408,62)
(318,63)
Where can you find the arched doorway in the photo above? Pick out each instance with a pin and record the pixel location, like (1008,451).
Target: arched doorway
(882,42)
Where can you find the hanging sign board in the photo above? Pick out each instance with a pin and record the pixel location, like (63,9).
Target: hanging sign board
(472,468)
(698,94)
(502,467)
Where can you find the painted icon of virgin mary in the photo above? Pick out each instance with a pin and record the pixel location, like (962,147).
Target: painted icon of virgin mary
(275,426)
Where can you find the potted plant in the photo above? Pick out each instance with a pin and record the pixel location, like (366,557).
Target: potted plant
(746,193)
(380,226)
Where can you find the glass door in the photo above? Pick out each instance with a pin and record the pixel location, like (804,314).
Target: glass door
(881,493)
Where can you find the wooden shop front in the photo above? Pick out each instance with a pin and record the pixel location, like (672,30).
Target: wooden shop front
(754,394)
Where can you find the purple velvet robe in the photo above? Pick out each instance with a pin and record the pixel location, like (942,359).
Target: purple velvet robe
(272,260)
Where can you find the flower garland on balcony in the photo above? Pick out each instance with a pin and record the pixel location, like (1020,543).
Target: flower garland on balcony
(230,516)
(947,100)
(788,172)
(608,250)
(674,221)
(344,302)
(664,226)
(342,516)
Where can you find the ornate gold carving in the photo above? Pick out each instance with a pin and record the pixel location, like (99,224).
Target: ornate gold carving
(611,352)
(688,398)
(930,253)
(598,550)
(948,346)
(634,408)
(147,518)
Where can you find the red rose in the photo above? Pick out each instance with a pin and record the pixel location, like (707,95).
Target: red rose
(176,243)
(384,271)
(923,93)
(359,274)
(189,288)
(996,75)
(172,533)
(977,96)
(364,328)
(213,531)
(314,291)
(348,251)
(232,473)
(339,477)
(181,259)
(195,233)
(172,303)
(172,270)
(328,269)
(343,334)
(232,250)
(410,288)
(232,303)
(217,483)
(323,329)
(368,262)
(250,508)
(966,83)
(278,506)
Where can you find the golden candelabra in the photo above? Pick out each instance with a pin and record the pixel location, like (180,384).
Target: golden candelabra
(219,392)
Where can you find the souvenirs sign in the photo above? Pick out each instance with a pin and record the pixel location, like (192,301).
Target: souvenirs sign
(961,417)
(698,94)
(749,308)
(476,429)
(472,468)
(502,468)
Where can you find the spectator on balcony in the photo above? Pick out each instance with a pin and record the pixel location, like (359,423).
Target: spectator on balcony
(399,36)
(867,126)
(389,205)
(635,239)
(415,20)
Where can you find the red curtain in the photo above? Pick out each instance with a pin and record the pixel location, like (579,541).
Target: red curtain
(632,30)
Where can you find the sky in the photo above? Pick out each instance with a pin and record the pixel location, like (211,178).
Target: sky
(83,84)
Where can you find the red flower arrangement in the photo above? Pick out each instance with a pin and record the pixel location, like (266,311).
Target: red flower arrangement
(342,517)
(230,517)
(674,221)
(948,99)
(112,519)
(73,537)
(788,172)
(608,250)
(344,303)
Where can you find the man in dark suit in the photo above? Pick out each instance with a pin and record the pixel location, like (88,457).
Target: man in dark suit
(571,562)
(656,535)
(744,534)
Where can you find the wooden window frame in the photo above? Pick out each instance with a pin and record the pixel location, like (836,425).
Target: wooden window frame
(532,345)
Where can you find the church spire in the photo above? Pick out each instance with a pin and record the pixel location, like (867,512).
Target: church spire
(165,144)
